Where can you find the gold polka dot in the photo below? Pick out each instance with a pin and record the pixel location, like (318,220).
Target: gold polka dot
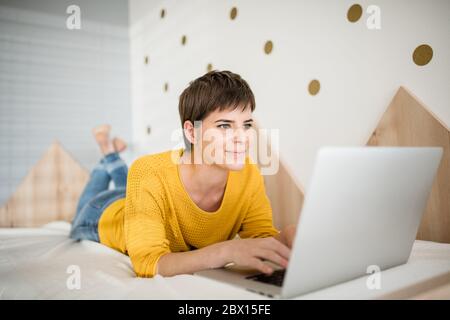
(422,55)
(268,47)
(146,59)
(163,13)
(183,40)
(209,67)
(354,13)
(233,13)
(314,87)
(166,87)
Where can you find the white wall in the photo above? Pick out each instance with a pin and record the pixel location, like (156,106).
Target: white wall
(57,83)
(359,69)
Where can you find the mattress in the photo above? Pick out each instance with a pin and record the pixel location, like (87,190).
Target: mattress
(43,263)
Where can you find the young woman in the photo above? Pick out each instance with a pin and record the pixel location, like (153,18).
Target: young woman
(181,215)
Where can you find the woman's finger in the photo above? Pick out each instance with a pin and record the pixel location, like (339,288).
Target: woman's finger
(259,265)
(279,247)
(272,256)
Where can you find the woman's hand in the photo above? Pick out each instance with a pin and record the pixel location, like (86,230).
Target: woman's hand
(243,252)
(251,253)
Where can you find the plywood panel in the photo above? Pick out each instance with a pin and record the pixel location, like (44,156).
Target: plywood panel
(408,122)
(49,192)
(286,197)
(284,192)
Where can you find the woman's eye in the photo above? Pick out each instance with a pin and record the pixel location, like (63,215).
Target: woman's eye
(248,126)
(224,126)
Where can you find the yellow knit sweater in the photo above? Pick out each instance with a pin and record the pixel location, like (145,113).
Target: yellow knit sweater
(158,216)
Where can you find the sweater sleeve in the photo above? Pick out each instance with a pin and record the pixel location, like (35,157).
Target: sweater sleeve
(258,222)
(145,236)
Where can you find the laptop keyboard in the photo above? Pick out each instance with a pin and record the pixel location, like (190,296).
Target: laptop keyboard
(276,278)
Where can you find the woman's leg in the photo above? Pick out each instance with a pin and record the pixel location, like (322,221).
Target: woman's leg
(117,169)
(96,196)
(110,166)
(98,181)
(85,224)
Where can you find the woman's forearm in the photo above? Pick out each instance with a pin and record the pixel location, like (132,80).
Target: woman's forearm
(209,257)
(243,252)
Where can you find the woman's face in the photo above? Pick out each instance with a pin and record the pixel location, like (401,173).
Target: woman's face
(225,138)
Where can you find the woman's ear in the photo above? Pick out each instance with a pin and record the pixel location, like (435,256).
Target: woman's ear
(189,131)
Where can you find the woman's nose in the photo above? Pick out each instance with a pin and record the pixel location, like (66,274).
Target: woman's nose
(239,136)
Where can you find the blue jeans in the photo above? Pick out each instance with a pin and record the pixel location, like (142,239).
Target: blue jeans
(96,196)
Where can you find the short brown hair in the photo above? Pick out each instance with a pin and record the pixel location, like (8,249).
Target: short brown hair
(214,90)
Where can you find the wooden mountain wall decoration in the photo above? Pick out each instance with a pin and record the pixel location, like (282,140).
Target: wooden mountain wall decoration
(285,195)
(49,192)
(408,122)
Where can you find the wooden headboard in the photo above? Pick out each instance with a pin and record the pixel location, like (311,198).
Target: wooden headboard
(49,192)
(406,122)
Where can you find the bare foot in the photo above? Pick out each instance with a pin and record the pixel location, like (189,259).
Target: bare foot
(101,134)
(119,144)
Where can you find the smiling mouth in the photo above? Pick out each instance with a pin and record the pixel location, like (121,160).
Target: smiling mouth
(235,156)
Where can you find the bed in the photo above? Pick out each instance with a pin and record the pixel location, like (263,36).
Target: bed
(41,263)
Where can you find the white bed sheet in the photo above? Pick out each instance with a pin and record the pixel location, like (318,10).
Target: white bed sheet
(34,264)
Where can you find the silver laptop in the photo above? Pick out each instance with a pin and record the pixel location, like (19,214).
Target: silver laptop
(363,208)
